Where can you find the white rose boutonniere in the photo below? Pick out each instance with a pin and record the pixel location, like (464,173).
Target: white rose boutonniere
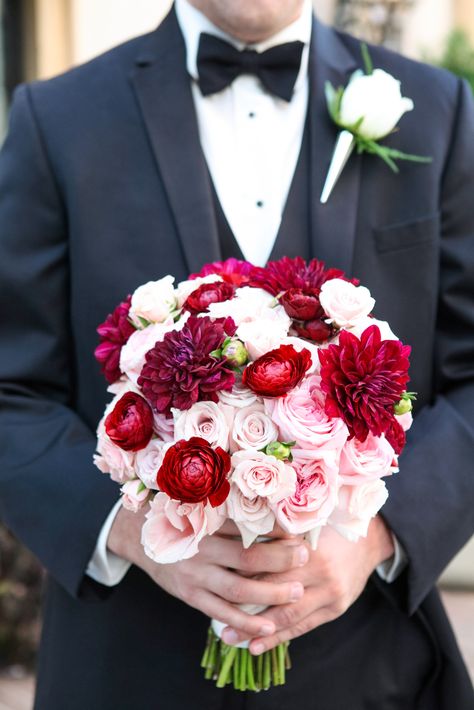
(368,109)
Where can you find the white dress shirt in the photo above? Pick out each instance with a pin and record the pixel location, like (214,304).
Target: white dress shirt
(251,141)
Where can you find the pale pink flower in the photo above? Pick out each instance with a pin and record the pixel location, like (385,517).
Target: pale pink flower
(111,459)
(362,461)
(385,331)
(252,428)
(134,496)
(257,474)
(248,304)
(206,420)
(253,516)
(132,356)
(344,303)
(356,507)
(238,397)
(153,301)
(148,462)
(163,426)
(173,530)
(405,420)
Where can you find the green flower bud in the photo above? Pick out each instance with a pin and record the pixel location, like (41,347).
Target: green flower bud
(280,450)
(235,352)
(403,406)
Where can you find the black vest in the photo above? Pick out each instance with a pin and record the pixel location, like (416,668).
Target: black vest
(294,234)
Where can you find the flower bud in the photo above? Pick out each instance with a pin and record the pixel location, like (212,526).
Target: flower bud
(280,450)
(403,406)
(235,352)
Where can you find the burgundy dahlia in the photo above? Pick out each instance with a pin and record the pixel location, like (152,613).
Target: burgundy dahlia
(200,299)
(233,271)
(363,379)
(181,370)
(130,424)
(287,273)
(396,436)
(114,333)
(193,472)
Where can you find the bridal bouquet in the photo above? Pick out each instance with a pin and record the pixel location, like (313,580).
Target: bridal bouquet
(267,396)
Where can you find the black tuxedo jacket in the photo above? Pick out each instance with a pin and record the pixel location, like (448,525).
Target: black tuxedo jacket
(103,186)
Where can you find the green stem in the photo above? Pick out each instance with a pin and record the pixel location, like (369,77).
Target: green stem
(267,673)
(228,659)
(250,673)
(243,668)
(281,661)
(275,674)
(260,671)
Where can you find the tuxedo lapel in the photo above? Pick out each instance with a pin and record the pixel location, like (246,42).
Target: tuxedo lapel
(164,95)
(333,225)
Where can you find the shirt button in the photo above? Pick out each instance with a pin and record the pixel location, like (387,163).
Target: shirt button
(259,203)
(251,114)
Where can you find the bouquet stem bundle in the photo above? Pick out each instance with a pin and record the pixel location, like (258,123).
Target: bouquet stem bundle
(232,665)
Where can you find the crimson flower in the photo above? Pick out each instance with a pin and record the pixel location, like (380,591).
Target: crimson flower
(300,304)
(233,271)
(114,333)
(363,379)
(193,472)
(277,372)
(287,273)
(316,330)
(130,423)
(181,370)
(396,436)
(200,299)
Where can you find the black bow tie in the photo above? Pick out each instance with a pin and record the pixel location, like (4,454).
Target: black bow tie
(219,63)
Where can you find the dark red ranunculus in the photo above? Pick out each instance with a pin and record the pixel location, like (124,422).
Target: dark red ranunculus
(301,304)
(180,370)
(193,472)
(200,299)
(277,372)
(316,330)
(287,273)
(233,271)
(114,333)
(363,379)
(130,423)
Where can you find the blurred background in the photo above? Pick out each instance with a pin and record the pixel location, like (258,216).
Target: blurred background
(41,38)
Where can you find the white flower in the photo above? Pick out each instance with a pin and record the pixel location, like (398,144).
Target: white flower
(376,98)
(154,301)
(345,304)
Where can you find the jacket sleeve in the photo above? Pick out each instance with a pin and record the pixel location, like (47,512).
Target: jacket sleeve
(51,495)
(431,503)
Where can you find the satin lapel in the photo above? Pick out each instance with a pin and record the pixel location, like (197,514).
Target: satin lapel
(334,224)
(164,94)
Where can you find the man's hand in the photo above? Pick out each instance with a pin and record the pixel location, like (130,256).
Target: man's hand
(333,578)
(209,581)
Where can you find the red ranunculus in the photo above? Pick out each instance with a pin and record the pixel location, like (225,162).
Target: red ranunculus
(130,423)
(114,333)
(301,304)
(193,472)
(233,271)
(316,330)
(200,299)
(181,370)
(363,379)
(277,372)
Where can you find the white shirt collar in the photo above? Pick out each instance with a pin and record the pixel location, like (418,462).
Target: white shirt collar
(192,23)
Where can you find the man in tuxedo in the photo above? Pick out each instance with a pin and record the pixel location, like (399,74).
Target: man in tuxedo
(154,159)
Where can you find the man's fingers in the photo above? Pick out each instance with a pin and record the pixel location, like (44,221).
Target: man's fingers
(317,618)
(250,626)
(242,590)
(278,556)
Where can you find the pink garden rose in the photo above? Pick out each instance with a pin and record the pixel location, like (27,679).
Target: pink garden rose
(204,419)
(252,428)
(148,462)
(300,416)
(356,507)
(113,460)
(344,303)
(134,495)
(132,357)
(248,305)
(239,397)
(257,474)
(154,301)
(362,461)
(253,516)
(173,530)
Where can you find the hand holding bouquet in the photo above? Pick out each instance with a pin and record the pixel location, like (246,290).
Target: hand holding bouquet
(267,396)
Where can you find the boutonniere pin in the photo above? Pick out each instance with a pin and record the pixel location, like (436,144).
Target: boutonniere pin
(367,110)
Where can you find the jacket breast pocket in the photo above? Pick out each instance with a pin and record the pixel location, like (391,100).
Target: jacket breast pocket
(407,235)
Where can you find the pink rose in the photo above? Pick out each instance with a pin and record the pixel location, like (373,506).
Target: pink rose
(315,496)
(204,419)
(266,333)
(132,357)
(173,530)
(257,474)
(111,459)
(163,426)
(239,397)
(252,428)
(148,462)
(253,516)
(356,507)
(301,417)
(405,420)
(153,301)
(362,461)
(358,328)
(248,305)
(134,495)
(344,303)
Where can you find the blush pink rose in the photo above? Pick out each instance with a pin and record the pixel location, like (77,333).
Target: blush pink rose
(356,507)
(344,303)
(148,462)
(362,461)
(153,301)
(315,496)
(239,397)
(173,530)
(134,495)
(132,357)
(257,474)
(264,334)
(253,516)
(163,426)
(300,416)
(204,419)
(252,428)
(248,305)
(113,460)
